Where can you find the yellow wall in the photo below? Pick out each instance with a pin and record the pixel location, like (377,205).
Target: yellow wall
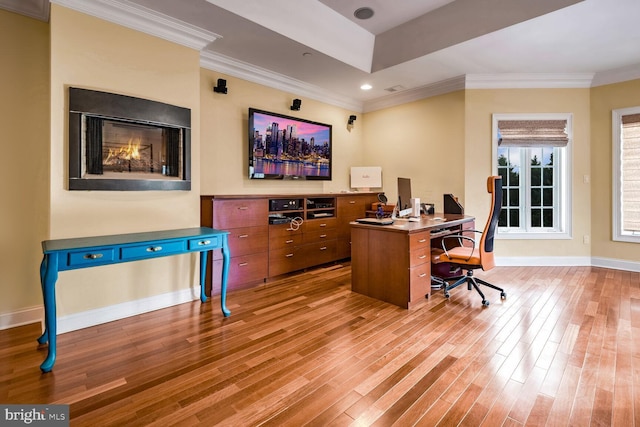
(479,107)
(604,99)
(24,120)
(423,141)
(225,138)
(91,53)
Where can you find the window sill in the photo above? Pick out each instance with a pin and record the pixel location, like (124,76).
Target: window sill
(533,236)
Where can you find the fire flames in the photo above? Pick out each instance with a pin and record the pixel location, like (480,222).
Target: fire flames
(127,152)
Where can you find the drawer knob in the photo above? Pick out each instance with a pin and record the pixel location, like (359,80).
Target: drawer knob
(323,225)
(204,242)
(243,264)
(352,202)
(422,256)
(154,249)
(289,255)
(243,208)
(422,275)
(92,256)
(288,241)
(322,236)
(422,240)
(324,248)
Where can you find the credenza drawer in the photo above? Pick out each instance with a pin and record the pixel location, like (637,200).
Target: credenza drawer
(279,230)
(283,242)
(285,260)
(243,269)
(234,213)
(320,236)
(319,224)
(248,240)
(151,250)
(317,253)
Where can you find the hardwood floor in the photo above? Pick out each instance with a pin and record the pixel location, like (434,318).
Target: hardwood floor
(562,349)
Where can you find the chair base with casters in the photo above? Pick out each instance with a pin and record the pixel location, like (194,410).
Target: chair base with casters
(473,281)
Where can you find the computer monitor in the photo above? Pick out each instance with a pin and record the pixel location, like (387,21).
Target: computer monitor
(404,197)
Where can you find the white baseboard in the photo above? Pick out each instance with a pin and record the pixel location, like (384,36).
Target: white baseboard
(542,261)
(21,317)
(101,315)
(615,264)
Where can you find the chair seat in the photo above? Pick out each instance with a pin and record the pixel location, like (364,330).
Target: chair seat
(461,255)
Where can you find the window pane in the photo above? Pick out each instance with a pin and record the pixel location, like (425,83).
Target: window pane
(514,197)
(547,218)
(548,197)
(535,197)
(548,176)
(536,218)
(547,156)
(514,218)
(535,177)
(502,219)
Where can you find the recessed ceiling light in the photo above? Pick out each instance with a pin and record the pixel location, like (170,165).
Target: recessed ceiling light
(366,86)
(363,13)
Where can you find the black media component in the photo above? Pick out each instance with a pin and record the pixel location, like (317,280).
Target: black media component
(283,204)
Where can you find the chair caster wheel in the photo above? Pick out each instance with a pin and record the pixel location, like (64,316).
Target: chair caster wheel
(446,295)
(485,302)
(503,295)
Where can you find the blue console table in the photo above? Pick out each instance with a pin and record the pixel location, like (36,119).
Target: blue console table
(71,254)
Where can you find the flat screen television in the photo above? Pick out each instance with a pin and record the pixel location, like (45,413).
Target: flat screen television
(283,147)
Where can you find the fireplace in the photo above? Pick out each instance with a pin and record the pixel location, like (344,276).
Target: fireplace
(119,142)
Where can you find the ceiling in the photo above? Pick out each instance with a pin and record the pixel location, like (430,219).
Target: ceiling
(319,49)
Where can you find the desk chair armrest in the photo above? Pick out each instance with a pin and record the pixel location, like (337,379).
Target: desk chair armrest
(460,238)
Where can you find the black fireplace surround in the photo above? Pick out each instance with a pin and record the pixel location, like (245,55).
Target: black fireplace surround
(90,112)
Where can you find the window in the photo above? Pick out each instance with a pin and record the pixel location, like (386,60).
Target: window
(626,175)
(531,152)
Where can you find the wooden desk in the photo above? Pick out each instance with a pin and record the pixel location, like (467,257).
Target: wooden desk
(392,263)
(71,254)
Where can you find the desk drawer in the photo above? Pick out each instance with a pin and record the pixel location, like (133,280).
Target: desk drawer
(91,257)
(152,250)
(419,240)
(419,256)
(204,243)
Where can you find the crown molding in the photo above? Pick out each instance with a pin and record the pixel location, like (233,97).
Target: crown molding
(617,75)
(529,81)
(428,91)
(37,9)
(233,67)
(144,20)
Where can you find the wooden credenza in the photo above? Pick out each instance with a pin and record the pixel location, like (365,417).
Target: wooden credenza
(319,233)
(392,263)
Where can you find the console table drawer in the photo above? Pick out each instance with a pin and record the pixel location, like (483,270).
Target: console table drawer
(152,250)
(208,243)
(91,257)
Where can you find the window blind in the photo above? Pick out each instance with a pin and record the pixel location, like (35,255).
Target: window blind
(532,133)
(631,172)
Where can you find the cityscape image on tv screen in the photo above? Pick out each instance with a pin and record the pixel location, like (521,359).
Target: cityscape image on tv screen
(287,147)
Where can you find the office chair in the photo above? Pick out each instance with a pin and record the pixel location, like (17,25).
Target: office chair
(479,255)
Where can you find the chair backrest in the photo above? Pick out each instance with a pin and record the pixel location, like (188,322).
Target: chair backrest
(494,186)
